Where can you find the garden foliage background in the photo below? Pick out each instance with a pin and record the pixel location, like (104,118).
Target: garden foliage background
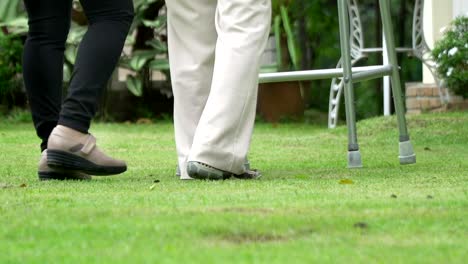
(314,29)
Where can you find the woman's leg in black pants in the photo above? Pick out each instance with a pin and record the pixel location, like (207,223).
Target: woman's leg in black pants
(49,22)
(98,55)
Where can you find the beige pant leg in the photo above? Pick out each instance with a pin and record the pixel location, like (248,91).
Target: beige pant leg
(223,134)
(192,39)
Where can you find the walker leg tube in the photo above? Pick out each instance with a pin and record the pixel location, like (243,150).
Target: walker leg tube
(354,156)
(407,155)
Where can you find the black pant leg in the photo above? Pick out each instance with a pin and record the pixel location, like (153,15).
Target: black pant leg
(98,54)
(49,23)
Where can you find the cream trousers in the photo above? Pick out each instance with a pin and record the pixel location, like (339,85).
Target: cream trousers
(214,52)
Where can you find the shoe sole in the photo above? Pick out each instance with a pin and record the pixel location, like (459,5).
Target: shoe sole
(64,160)
(201,172)
(48,176)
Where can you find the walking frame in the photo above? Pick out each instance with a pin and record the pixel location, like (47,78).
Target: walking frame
(352,75)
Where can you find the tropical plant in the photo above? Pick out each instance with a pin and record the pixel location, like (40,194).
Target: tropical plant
(11,16)
(283,29)
(13,24)
(148,40)
(11,50)
(451,56)
(13,19)
(75,35)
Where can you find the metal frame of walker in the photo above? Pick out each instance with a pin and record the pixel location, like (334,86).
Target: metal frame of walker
(352,75)
(419,49)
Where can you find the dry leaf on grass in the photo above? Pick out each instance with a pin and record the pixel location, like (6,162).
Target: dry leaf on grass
(346,181)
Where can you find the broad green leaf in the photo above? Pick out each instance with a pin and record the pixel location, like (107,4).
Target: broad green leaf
(292,47)
(135,85)
(140,58)
(70,54)
(277,30)
(153,23)
(159,65)
(76,34)
(145,53)
(16,26)
(157,45)
(66,72)
(138,62)
(9,9)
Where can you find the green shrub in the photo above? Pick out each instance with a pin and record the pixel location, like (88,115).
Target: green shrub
(10,65)
(451,56)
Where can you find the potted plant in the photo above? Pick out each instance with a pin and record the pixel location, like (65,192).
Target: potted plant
(283,99)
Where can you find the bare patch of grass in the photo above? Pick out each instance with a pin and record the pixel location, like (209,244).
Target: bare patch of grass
(240,237)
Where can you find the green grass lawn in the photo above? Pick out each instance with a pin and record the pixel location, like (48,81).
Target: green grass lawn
(299,212)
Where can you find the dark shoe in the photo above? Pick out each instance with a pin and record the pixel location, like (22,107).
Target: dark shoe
(246,165)
(46,173)
(72,150)
(201,171)
(249,175)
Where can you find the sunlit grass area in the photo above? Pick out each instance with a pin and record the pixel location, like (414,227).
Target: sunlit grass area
(307,208)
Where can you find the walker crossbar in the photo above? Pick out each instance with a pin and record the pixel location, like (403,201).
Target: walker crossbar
(359,74)
(350,75)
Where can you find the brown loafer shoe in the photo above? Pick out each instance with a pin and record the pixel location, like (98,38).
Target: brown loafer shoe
(46,173)
(72,150)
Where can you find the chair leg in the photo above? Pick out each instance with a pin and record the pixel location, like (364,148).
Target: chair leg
(407,155)
(354,155)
